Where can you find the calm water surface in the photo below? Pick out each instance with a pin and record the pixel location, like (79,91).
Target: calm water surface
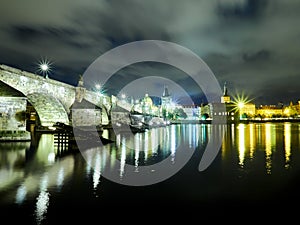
(258,165)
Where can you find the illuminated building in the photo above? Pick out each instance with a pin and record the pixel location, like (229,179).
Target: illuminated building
(248,109)
(191,111)
(147,104)
(225,110)
(225,98)
(204,111)
(269,111)
(291,110)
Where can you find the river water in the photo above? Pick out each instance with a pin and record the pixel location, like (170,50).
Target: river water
(258,165)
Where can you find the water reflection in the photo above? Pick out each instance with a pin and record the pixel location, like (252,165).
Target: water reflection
(252,140)
(27,174)
(137,150)
(12,162)
(241,130)
(287,144)
(21,194)
(256,137)
(42,202)
(268,147)
(33,174)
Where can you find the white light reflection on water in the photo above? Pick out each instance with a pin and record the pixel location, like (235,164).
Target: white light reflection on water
(97,169)
(173,143)
(137,143)
(123,157)
(154,140)
(261,148)
(42,200)
(21,194)
(60,177)
(155,144)
(146,144)
(42,206)
(190,134)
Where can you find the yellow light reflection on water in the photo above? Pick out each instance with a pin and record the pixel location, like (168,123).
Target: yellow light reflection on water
(259,134)
(232,133)
(241,148)
(252,140)
(268,153)
(225,142)
(287,144)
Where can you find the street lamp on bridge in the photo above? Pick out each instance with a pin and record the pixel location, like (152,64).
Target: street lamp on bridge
(44,67)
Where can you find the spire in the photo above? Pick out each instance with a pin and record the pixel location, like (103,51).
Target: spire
(225,98)
(225,92)
(166,92)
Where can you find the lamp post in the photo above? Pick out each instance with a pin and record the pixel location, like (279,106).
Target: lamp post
(98,87)
(44,68)
(123,96)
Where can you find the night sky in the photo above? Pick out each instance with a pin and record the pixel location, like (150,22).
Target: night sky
(253,45)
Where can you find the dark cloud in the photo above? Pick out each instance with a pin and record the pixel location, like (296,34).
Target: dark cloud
(261,55)
(243,9)
(251,44)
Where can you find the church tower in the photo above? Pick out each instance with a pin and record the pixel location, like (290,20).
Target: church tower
(225,98)
(166,98)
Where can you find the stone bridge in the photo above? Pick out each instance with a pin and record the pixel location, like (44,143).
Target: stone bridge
(52,99)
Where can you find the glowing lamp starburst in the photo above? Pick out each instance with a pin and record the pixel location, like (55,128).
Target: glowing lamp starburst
(240,100)
(240,104)
(44,67)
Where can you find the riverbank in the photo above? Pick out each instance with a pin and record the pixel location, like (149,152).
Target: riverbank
(272,120)
(265,120)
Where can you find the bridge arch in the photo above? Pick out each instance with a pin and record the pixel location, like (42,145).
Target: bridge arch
(49,109)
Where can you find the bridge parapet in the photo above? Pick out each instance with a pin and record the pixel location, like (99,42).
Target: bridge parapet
(124,105)
(29,83)
(97,99)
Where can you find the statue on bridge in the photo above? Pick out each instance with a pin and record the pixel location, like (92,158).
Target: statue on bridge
(80,81)
(80,90)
